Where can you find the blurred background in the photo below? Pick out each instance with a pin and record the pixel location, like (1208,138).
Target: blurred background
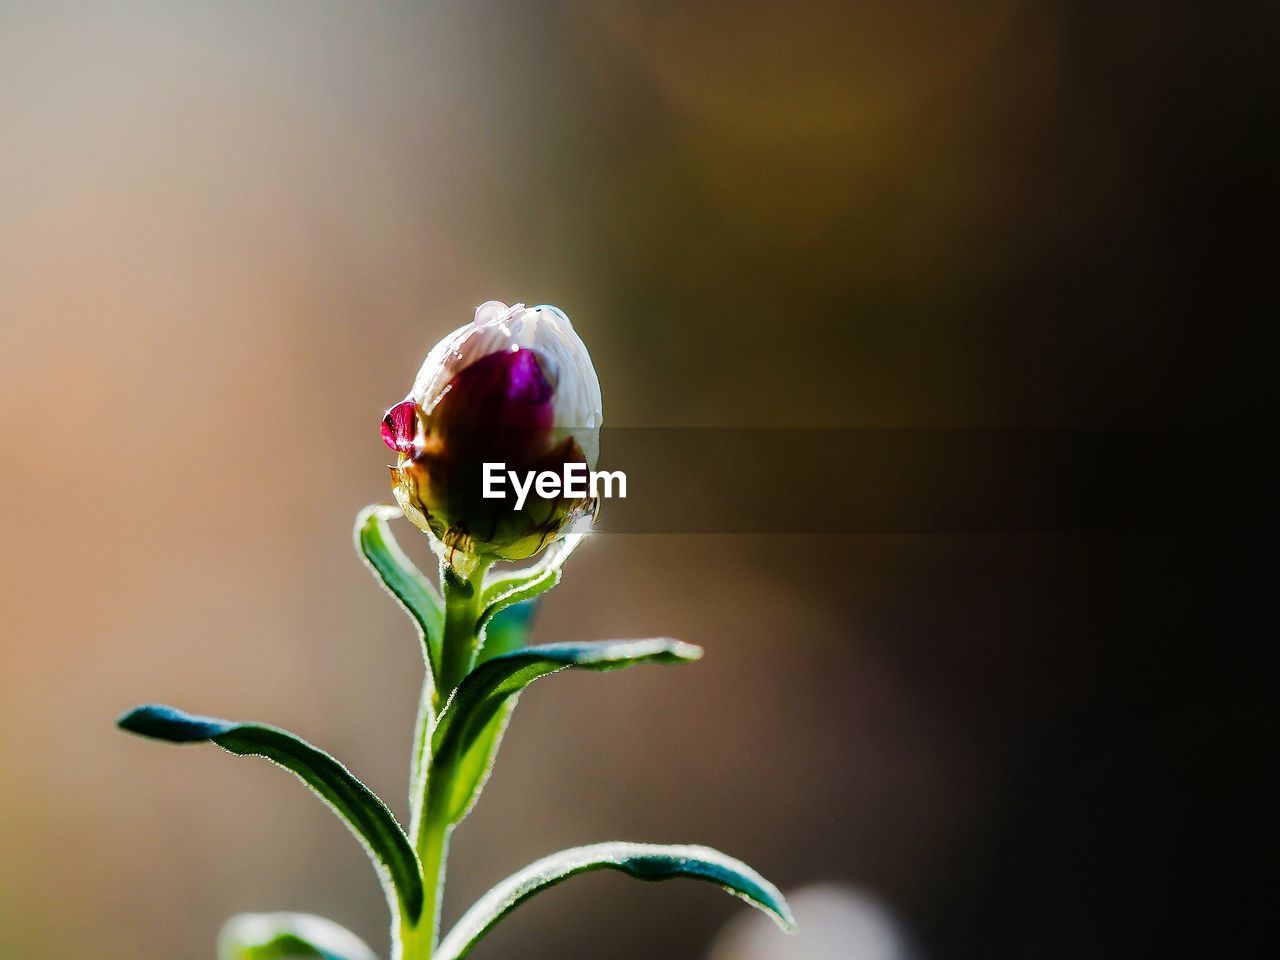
(228,234)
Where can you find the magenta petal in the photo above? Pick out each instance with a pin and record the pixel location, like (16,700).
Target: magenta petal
(509,390)
(527,381)
(499,408)
(400,425)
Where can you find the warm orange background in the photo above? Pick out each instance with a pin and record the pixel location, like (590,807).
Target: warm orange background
(228,234)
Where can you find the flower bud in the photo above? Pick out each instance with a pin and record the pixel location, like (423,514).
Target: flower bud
(515,386)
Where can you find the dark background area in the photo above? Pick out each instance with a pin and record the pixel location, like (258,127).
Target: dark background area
(230,232)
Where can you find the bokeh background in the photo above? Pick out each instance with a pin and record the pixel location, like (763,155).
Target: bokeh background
(230,231)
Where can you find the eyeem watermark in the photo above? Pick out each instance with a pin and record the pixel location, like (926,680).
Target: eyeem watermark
(576,480)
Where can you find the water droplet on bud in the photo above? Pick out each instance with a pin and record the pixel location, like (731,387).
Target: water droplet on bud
(490,311)
(400,425)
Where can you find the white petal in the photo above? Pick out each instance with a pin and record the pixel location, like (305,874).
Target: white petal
(497,327)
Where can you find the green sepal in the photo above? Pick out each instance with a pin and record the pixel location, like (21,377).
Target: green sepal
(525,584)
(402,579)
(357,805)
(640,860)
(277,936)
(466,737)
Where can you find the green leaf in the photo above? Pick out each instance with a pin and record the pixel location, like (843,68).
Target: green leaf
(508,631)
(643,861)
(275,936)
(472,711)
(404,581)
(494,681)
(361,809)
(525,584)
(471,770)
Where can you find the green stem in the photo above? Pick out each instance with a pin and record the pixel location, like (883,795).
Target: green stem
(461,631)
(433,850)
(430,825)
